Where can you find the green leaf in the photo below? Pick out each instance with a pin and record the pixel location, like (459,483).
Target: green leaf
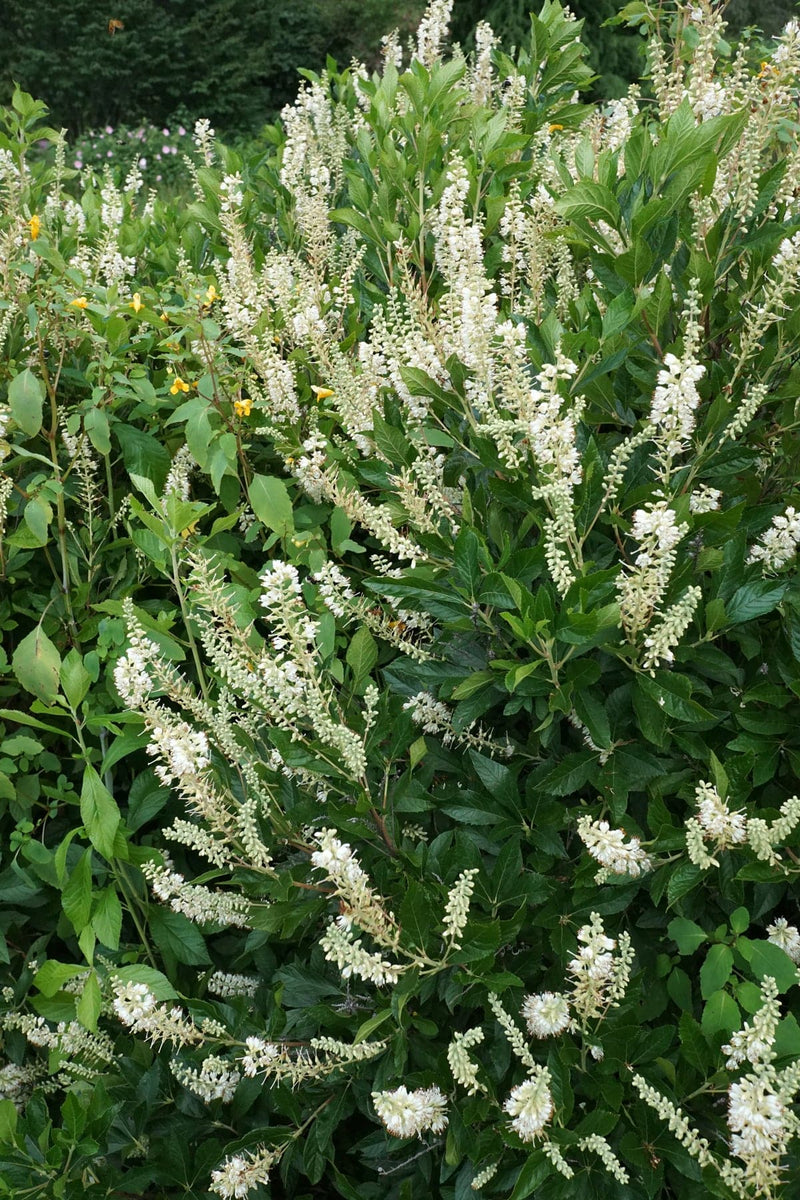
(270,501)
(76,898)
(8,1122)
(175,934)
(720,1014)
(416,915)
(685,877)
(37,516)
(75,679)
(362,654)
(765,958)
(716,970)
(592,200)
(158,983)
(534,1171)
(36,664)
(143,454)
(739,918)
(90,1003)
(99,812)
(687,934)
(52,975)
(107,918)
(754,600)
(26,400)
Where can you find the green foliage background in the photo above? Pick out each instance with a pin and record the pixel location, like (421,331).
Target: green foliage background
(232,61)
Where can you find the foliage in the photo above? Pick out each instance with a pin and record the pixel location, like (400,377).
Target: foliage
(398,528)
(231,61)
(157,153)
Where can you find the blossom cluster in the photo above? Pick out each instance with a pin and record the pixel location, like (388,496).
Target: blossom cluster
(408,1114)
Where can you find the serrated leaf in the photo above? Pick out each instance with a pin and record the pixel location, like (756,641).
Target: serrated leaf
(720,1015)
(687,934)
(158,983)
(99,812)
(716,970)
(362,654)
(685,877)
(107,918)
(26,401)
(75,679)
(52,975)
(36,664)
(754,600)
(270,501)
(90,1003)
(766,958)
(76,898)
(175,934)
(534,1171)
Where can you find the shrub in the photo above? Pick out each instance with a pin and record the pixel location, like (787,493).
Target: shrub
(409,529)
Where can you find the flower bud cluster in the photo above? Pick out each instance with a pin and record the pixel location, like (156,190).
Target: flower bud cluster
(360,904)
(137,1007)
(642,588)
(215,1080)
(198,903)
(463,1069)
(435,717)
(600,970)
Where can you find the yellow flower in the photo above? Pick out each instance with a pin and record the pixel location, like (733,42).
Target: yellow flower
(243,408)
(35,226)
(178,385)
(79,302)
(211,294)
(164,317)
(555,128)
(322,393)
(189,530)
(136,302)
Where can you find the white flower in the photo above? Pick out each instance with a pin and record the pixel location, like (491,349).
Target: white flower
(756,1117)
(410,1114)
(546,1014)
(240,1173)
(716,819)
(787,936)
(184,750)
(778,545)
(531,1106)
(675,400)
(704,499)
(609,848)
(133,1002)
(131,678)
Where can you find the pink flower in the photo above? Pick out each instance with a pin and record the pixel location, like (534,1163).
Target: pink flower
(181,131)
(78,164)
(109,153)
(158,179)
(143,163)
(109,128)
(165,132)
(166,150)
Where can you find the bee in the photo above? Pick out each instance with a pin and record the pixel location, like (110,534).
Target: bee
(114,25)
